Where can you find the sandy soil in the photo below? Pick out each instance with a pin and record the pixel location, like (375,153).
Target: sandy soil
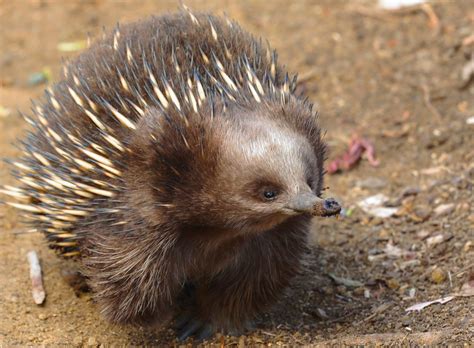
(392,78)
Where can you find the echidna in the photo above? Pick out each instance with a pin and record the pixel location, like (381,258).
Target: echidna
(176,162)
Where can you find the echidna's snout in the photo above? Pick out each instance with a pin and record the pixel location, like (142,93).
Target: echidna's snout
(329,207)
(309,203)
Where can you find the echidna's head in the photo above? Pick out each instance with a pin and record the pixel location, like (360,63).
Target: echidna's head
(247,170)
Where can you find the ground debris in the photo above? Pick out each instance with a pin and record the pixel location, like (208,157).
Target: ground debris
(438,275)
(5,112)
(375,205)
(379,310)
(40,77)
(72,46)
(444,209)
(350,283)
(467,72)
(421,305)
(382,339)
(39,294)
(466,290)
(357,147)
(437,239)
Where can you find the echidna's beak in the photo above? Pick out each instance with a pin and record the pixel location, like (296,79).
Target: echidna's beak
(309,203)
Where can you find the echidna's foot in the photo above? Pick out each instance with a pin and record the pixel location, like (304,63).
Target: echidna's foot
(187,325)
(242,330)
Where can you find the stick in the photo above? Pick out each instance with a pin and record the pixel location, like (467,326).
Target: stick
(427,100)
(36,277)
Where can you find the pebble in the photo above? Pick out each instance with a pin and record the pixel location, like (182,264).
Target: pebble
(327,290)
(367,293)
(13,298)
(435,240)
(421,214)
(444,209)
(371,183)
(438,275)
(384,234)
(42,316)
(77,340)
(322,313)
(91,341)
(423,234)
(392,283)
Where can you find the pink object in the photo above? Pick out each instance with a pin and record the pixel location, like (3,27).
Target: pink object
(357,147)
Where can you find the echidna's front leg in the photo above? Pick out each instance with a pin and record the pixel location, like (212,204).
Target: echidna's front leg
(232,298)
(187,322)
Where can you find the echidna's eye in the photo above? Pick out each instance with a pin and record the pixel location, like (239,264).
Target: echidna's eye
(270,194)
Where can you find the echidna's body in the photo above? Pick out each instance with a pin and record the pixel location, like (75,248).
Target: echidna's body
(166,159)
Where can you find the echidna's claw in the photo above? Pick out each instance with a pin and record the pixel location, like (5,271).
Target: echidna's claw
(205,332)
(187,327)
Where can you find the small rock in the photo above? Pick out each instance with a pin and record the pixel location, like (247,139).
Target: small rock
(77,341)
(392,283)
(467,246)
(371,183)
(406,321)
(438,275)
(420,214)
(435,240)
(444,209)
(423,234)
(464,207)
(384,234)
(374,205)
(327,290)
(91,341)
(13,298)
(341,289)
(376,221)
(322,313)
(366,293)
(42,316)
(4,112)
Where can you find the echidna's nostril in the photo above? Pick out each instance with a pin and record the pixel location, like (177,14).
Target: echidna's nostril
(331,204)
(331,207)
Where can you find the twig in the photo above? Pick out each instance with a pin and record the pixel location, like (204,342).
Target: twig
(432,17)
(382,14)
(464,270)
(268,333)
(36,277)
(22,231)
(380,309)
(308,75)
(427,100)
(468,40)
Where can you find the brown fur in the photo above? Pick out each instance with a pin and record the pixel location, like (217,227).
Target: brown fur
(186,210)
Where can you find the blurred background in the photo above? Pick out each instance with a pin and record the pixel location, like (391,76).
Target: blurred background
(394,86)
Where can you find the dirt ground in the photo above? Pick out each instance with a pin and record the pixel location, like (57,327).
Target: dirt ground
(393,78)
